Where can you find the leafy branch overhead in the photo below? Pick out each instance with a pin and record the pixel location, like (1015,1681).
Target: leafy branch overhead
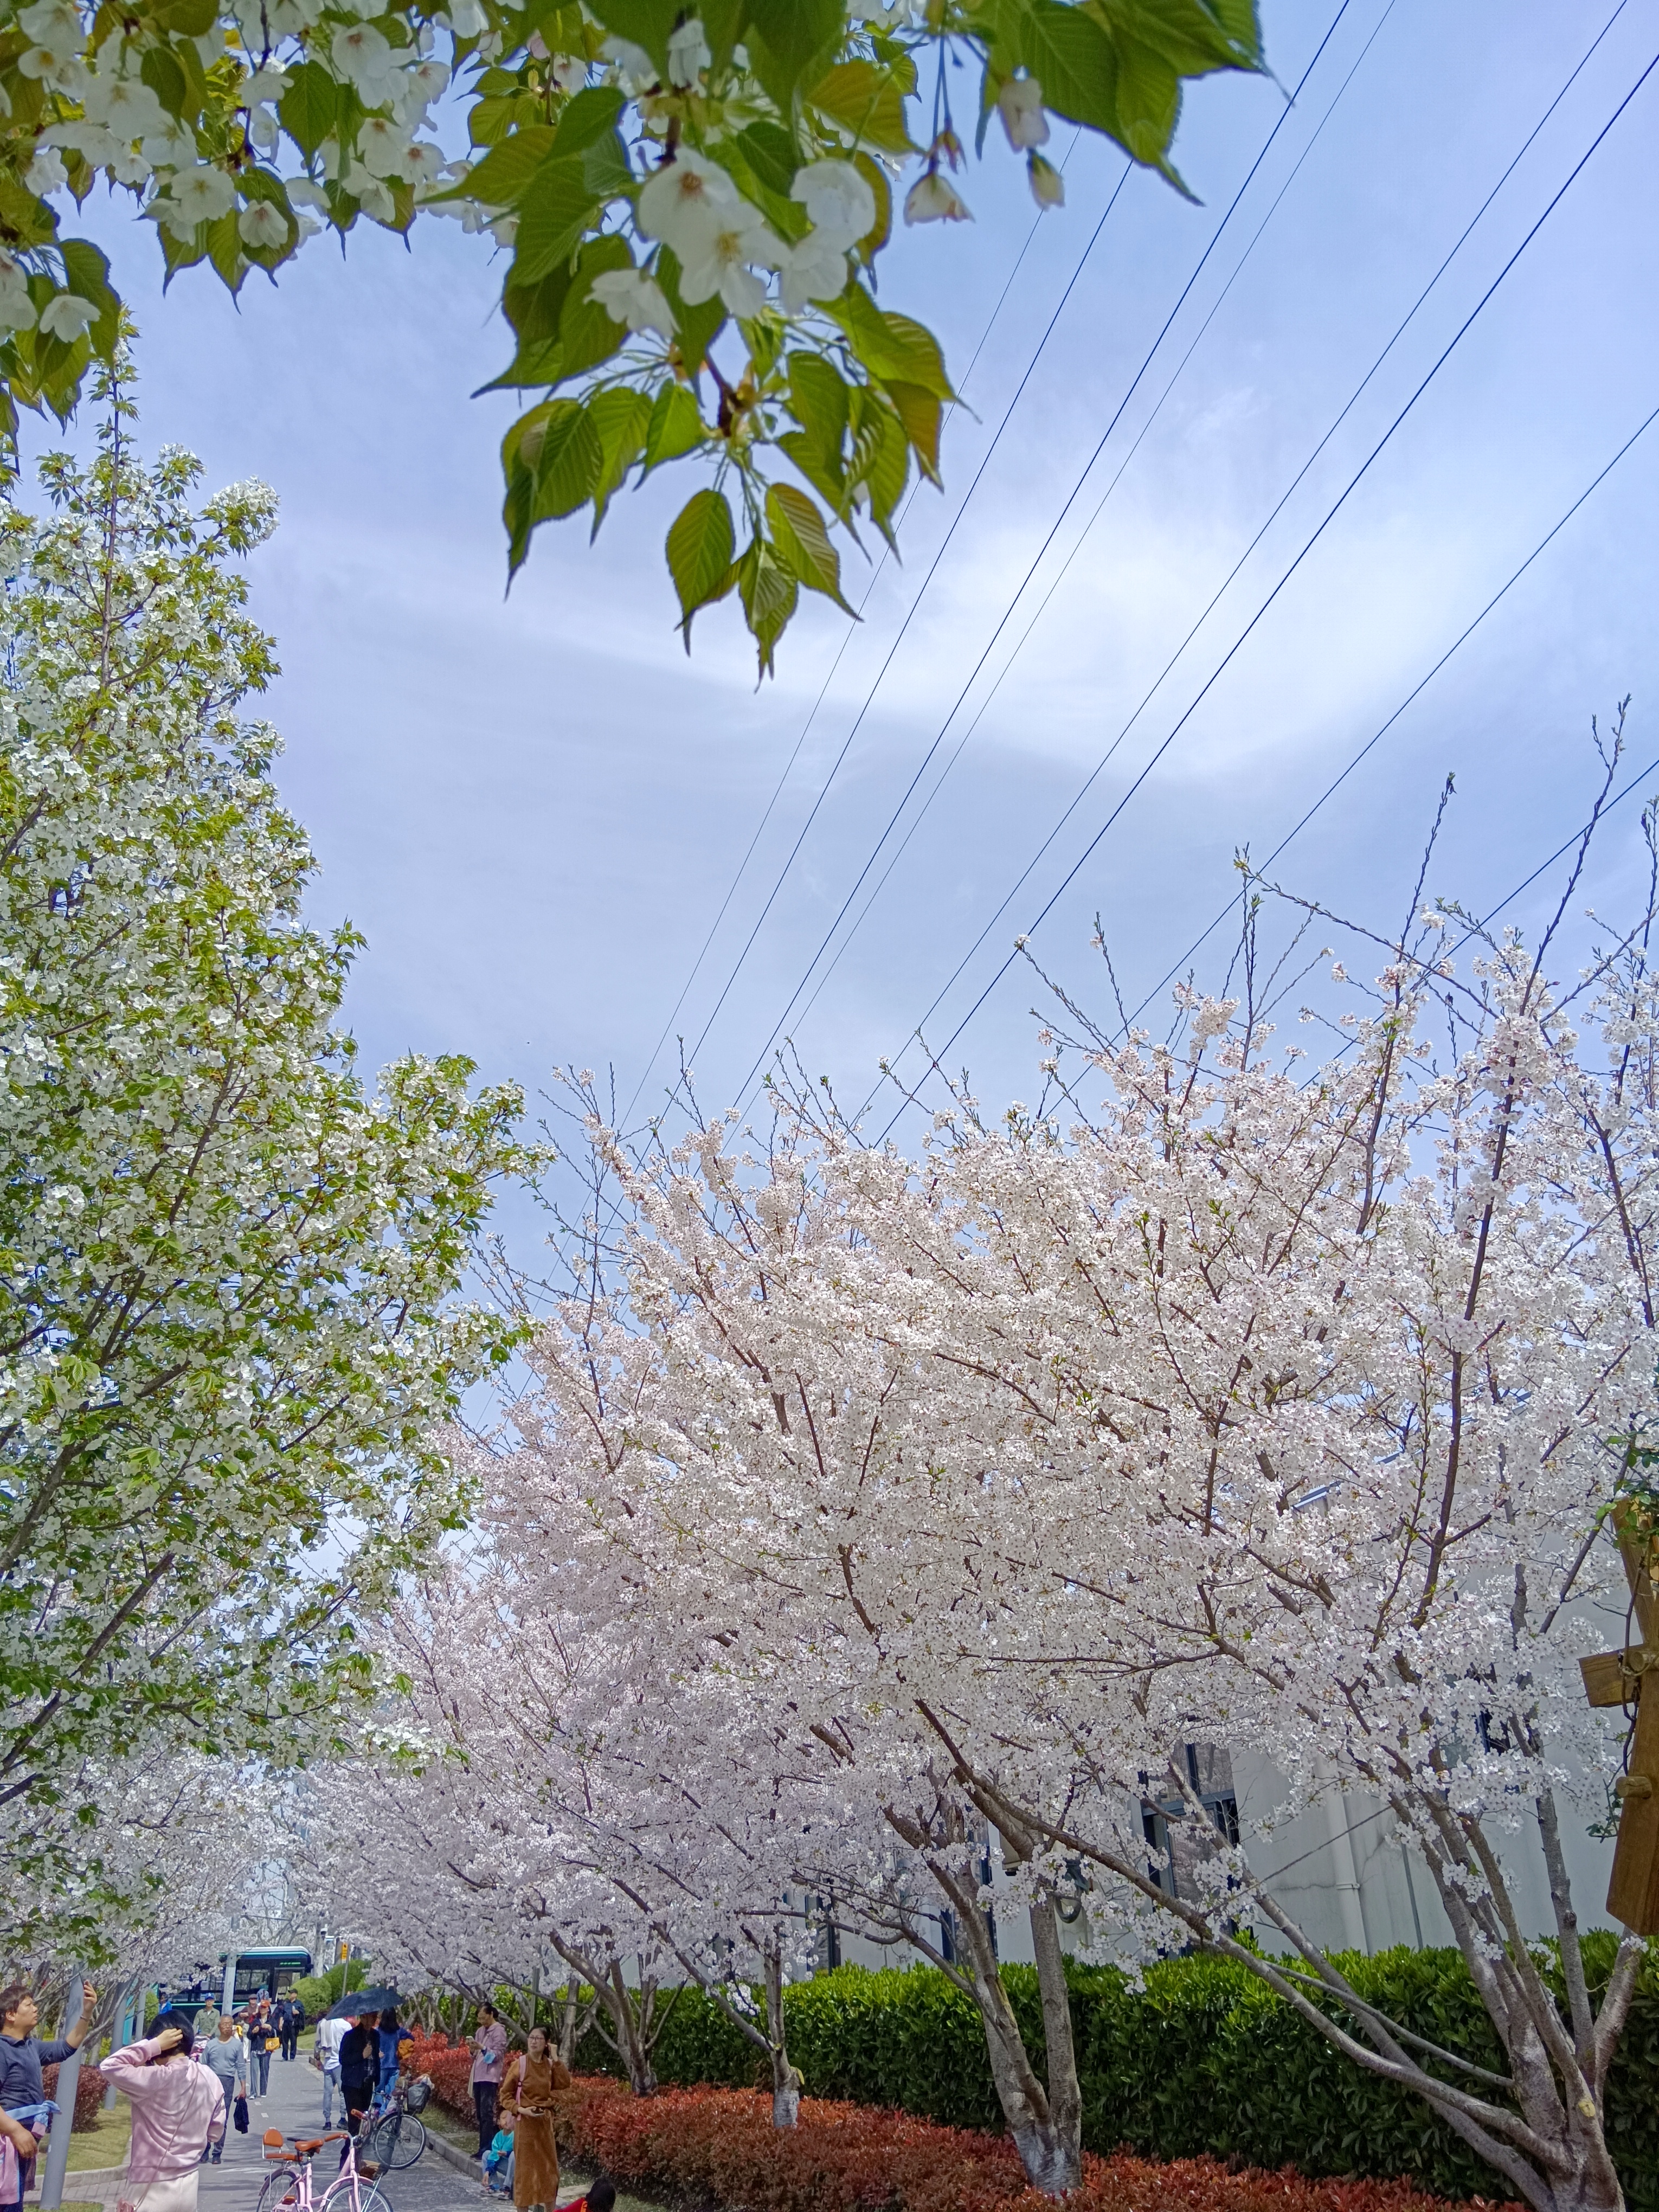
(692,207)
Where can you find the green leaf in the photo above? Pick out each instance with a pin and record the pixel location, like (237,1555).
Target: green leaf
(802,538)
(162,72)
(676,427)
(646,23)
(190,19)
(588,333)
(818,400)
(534,309)
(1148,105)
(881,457)
(769,150)
(876,177)
(554,212)
(1193,36)
(890,346)
(700,542)
(87,271)
(606,168)
(24,218)
(920,413)
(770,596)
(1074,60)
(310,107)
(792,34)
(224,249)
(621,419)
(505,174)
(568,462)
(590,114)
(869,102)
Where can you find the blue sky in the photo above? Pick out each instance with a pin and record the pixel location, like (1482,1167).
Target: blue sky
(535,805)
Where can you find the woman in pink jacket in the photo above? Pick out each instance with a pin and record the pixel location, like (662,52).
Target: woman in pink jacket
(176,2105)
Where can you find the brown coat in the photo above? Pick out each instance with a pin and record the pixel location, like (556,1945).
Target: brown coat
(526,2099)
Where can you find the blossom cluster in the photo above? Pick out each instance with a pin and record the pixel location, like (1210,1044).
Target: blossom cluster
(692,209)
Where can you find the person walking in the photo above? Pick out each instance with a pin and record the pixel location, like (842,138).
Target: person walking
(226,2060)
(394,2037)
(296,2021)
(326,2052)
(281,2020)
(360,2053)
(21,2056)
(175,2106)
(489,2043)
(261,2042)
(527,2088)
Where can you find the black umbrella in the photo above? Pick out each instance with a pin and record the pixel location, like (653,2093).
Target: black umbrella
(358,2001)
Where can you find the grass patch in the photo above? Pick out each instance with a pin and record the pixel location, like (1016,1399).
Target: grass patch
(104,2145)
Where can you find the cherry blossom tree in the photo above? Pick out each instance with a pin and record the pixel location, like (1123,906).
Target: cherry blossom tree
(229,1270)
(1223,1397)
(691,207)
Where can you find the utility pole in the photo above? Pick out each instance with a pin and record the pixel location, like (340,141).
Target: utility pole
(57,2145)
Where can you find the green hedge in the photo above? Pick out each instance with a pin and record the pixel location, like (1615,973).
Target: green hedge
(1201,2058)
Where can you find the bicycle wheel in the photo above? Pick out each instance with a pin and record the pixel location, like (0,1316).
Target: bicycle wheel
(281,2192)
(373,2198)
(397,2142)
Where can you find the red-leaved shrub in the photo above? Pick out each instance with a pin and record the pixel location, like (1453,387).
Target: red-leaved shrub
(450,2068)
(90,2088)
(717,2146)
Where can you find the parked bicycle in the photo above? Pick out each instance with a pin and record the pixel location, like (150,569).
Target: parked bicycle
(395,2136)
(288,2189)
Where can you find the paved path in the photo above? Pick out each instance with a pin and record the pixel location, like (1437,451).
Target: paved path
(295,2105)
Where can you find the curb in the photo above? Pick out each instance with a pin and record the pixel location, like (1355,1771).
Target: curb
(453,2156)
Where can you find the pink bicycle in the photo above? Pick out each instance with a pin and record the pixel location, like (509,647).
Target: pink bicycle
(288,2188)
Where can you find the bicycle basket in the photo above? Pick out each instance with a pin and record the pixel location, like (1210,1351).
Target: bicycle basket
(418,2095)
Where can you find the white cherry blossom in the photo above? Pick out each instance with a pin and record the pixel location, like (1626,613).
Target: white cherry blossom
(66,315)
(634,298)
(722,261)
(1019,103)
(815,269)
(934,199)
(687,201)
(688,53)
(838,200)
(262,224)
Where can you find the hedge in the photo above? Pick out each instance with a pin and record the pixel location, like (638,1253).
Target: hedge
(1201,2060)
(704,2146)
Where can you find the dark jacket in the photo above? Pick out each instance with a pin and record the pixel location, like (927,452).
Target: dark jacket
(359,2057)
(283,2016)
(20,2061)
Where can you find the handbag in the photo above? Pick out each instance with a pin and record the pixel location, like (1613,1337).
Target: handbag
(240,2112)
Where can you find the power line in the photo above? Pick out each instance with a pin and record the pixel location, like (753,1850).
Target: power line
(1337,781)
(1228,580)
(909,616)
(1232,574)
(1071,500)
(1140,435)
(846,640)
(1330,515)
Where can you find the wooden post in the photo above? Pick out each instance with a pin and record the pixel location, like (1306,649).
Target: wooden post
(1617,1678)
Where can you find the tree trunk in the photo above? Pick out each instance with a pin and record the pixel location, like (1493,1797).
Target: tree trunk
(785,2081)
(631,2040)
(1065,2145)
(1050,2149)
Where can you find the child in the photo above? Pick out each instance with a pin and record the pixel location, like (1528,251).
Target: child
(601,2197)
(498,2163)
